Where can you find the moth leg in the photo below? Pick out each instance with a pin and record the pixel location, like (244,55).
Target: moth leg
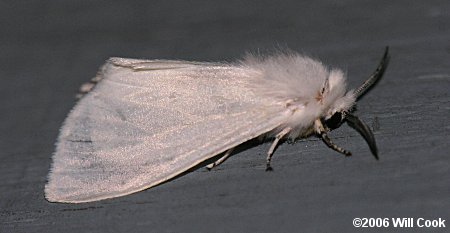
(221,160)
(320,129)
(278,137)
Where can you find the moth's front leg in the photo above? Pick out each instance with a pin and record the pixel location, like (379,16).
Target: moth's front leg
(320,130)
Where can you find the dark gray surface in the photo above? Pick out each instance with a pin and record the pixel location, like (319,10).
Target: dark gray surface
(47,49)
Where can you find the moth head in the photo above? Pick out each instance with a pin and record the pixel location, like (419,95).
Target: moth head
(341,110)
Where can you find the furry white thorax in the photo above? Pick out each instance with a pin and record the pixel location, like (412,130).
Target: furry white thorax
(307,88)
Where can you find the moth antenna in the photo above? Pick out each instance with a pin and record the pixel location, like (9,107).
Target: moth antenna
(320,129)
(375,76)
(364,130)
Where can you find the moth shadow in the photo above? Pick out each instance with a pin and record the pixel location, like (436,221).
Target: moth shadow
(240,148)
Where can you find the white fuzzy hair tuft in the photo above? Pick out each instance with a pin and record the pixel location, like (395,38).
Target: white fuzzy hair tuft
(314,90)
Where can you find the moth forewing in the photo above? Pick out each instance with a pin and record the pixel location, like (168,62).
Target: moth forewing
(137,129)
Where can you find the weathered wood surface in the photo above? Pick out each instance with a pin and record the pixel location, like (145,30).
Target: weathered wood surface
(47,49)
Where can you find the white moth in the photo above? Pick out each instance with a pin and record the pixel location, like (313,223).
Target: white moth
(147,121)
